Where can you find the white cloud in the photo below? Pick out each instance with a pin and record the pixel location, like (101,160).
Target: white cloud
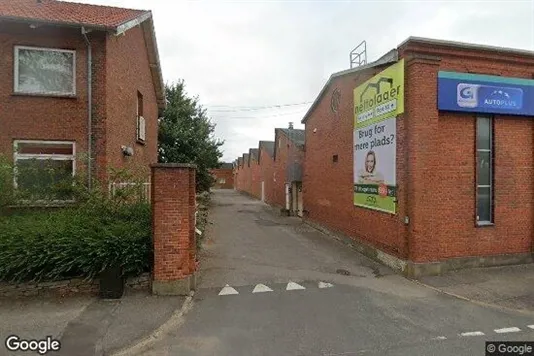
(260,53)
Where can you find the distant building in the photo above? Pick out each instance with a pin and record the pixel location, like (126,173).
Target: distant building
(224,176)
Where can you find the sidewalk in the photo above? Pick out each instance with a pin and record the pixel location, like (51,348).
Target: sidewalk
(87,326)
(508,286)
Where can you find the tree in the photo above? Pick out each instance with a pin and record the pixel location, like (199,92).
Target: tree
(186,135)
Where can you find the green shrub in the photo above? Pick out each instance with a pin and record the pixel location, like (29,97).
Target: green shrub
(51,245)
(90,232)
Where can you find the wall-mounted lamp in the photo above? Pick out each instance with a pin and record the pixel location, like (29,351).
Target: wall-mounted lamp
(127,151)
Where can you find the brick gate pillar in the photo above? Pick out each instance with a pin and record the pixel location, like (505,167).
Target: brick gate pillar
(173,228)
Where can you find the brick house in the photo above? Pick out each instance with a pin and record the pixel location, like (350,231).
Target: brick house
(266,170)
(224,176)
(255,179)
(461,156)
(79,81)
(247,177)
(288,159)
(273,171)
(238,176)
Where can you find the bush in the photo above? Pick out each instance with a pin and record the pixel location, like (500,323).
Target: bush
(74,242)
(80,239)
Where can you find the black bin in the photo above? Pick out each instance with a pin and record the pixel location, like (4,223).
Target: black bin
(111,283)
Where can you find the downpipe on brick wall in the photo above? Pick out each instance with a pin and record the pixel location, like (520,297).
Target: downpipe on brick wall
(89,106)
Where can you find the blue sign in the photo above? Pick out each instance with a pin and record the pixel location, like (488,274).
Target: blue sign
(485,94)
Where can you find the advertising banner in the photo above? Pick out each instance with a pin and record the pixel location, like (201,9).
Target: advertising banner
(485,94)
(377,102)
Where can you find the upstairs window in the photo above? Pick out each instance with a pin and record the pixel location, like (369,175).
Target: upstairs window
(45,71)
(141,125)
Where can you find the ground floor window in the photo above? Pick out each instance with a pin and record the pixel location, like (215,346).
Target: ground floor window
(44,169)
(484,170)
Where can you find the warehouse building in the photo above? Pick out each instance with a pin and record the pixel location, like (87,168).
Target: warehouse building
(424,158)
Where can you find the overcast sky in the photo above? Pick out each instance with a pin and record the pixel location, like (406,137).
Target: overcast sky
(238,56)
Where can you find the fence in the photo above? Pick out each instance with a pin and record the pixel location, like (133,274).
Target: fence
(142,190)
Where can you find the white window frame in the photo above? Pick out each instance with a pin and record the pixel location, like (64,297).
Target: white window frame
(44,49)
(56,157)
(141,122)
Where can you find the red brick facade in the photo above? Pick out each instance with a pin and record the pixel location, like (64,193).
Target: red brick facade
(120,69)
(173,227)
(271,169)
(224,178)
(266,172)
(436,162)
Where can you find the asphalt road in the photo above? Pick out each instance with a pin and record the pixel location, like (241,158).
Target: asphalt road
(365,309)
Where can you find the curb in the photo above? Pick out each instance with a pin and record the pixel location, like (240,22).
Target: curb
(174,321)
(474,301)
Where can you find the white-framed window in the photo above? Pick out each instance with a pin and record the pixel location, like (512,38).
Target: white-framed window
(222,181)
(45,71)
(43,169)
(141,125)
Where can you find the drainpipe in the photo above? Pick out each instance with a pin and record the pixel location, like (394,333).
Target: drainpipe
(89,107)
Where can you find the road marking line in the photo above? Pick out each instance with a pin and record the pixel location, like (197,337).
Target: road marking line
(530,326)
(507,330)
(261,288)
(325,285)
(227,290)
(294,286)
(439,338)
(472,333)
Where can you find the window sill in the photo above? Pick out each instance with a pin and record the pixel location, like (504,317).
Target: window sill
(484,224)
(44,95)
(43,204)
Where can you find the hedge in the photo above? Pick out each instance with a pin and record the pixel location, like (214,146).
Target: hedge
(75,242)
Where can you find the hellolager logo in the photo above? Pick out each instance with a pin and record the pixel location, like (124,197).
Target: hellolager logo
(380,97)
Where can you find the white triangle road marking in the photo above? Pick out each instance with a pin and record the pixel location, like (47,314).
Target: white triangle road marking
(261,288)
(530,326)
(472,333)
(507,330)
(227,290)
(325,285)
(294,286)
(440,338)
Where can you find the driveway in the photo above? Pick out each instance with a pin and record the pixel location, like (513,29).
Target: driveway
(271,285)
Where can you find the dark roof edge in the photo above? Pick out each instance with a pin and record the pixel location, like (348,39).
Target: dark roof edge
(57,23)
(465,45)
(390,57)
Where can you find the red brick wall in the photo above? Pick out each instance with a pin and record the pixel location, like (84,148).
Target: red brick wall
(227,175)
(328,186)
(246,177)
(286,151)
(435,167)
(39,117)
(128,71)
(241,178)
(442,186)
(266,175)
(280,170)
(120,68)
(255,179)
(173,221)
